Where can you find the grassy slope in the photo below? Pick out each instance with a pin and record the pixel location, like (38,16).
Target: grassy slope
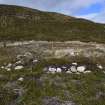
(20,23)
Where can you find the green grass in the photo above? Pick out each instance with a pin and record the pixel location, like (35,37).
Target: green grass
(82,89)
(38,25)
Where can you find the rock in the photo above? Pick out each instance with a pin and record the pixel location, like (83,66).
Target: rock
(58,70)
(2,67)
(25,59)
(64,67)
(104,72)
(8,69)
(18,67)
(73,69)
(86,72)
(69,72)
(99,66)
(81,68)
(72,53)
(75,64)
(35,61)
(21,79)
(9,65)
(52,70)
(18,62)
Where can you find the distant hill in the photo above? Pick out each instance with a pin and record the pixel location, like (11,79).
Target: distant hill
(21,23)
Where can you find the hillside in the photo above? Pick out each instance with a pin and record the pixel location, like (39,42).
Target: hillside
(44,61)
(21,23)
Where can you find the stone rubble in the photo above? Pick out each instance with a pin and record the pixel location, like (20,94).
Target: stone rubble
(73,68)
(28,60)
(22,61)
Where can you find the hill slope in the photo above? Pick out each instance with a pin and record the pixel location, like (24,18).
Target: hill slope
(21,23)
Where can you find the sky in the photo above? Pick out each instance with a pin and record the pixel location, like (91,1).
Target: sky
(89,9)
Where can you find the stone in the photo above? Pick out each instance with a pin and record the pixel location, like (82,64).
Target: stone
(69,72)
(21,79)
(18,62)
(18,67)
(86,72)
(35,61)
(8,69)
(81,68)
(75,64)
(58,70)
(52,70)
(2,67)
(99,66)
(73,69)
(9,65)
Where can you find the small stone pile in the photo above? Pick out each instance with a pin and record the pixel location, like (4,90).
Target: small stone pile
(72,68)
(22,61)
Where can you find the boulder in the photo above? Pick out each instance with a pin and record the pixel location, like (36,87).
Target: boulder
(81,68)
(73,69)
(52,70)
(58,70)
(18,67)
